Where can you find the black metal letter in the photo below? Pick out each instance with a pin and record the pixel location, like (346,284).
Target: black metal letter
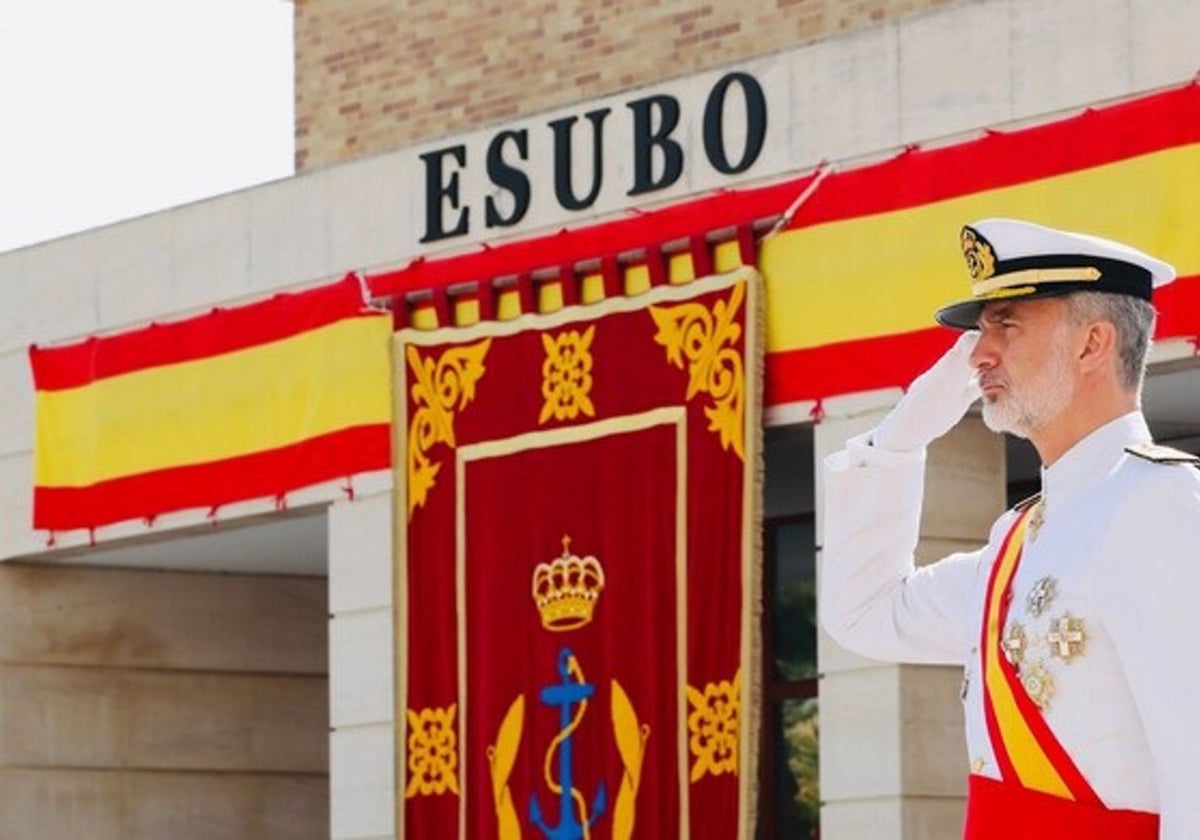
(563,189)
(508,178)
(756,123)
(438,189)
(646,139)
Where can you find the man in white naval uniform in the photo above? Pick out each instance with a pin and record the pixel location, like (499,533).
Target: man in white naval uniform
(1077,624)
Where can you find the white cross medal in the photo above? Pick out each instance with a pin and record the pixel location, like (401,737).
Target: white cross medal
(1066,637)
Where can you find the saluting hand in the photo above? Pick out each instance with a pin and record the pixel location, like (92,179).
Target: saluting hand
(936,400)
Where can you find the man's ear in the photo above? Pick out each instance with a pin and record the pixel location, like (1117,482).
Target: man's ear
(1099,346)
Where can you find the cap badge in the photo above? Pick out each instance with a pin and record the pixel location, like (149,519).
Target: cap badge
(981,259)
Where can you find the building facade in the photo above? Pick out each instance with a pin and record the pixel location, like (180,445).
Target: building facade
(231,672)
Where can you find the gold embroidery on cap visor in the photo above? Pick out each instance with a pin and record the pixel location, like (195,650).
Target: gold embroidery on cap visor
(1006,292)
(1033,276)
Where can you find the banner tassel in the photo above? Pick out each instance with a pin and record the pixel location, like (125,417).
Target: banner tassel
(818,410)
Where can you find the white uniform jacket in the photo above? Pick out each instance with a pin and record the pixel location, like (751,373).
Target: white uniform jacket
(1115,567)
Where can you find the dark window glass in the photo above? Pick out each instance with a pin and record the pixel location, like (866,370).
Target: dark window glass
(789,778)
(794,600)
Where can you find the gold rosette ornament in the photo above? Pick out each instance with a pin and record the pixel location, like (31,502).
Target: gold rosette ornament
(432,752)
(713,723)
(567,375)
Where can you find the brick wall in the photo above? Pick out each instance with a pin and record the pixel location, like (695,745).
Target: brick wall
(374,75)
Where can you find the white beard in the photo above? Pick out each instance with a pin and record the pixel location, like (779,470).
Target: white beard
(1026,408)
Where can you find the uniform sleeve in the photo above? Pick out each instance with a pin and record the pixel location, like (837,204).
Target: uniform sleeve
(1148,589)
(873,600)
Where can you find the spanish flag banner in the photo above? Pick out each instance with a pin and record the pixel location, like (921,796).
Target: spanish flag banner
(854,279)
(577,569)
(239,403)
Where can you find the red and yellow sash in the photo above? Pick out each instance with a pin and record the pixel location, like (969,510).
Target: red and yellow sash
(1026,750)
(1040,788)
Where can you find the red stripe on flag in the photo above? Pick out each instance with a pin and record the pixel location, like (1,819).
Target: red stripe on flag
(893,361)
(1178,306)
(259,475)
(851,366)
(210,334)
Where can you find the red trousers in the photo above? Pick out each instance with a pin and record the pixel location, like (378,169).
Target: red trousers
(1002,811)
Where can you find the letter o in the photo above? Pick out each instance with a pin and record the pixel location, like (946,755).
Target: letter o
(714,123)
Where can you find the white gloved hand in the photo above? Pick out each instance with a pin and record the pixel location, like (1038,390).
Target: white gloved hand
(936,400)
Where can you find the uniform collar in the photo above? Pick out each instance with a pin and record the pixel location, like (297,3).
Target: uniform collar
(1092,458)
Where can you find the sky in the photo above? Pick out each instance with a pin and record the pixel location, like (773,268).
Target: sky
(111,109)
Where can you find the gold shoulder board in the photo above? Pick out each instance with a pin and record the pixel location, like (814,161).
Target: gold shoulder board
(1027,503)
(1162,454)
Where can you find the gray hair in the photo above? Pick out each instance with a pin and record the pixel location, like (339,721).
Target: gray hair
(1134,322)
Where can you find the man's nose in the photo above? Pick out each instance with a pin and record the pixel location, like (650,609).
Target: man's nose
(983,354)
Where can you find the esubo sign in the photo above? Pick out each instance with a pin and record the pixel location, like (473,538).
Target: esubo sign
(657,155)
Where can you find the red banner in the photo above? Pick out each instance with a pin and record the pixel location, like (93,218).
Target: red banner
(577,580)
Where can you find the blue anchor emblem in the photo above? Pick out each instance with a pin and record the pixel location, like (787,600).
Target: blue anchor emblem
(570,692)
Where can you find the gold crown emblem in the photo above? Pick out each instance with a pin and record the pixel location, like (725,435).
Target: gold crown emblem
(566,589)
(981,259)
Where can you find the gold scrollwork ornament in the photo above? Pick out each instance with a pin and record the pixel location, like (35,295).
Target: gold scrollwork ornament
(441,387)
(705,344)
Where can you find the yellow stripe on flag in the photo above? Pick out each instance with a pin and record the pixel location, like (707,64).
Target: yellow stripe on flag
(884,274)
(251,400)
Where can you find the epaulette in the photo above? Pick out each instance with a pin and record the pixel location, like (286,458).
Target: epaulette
(1162,454)
(1027,503)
